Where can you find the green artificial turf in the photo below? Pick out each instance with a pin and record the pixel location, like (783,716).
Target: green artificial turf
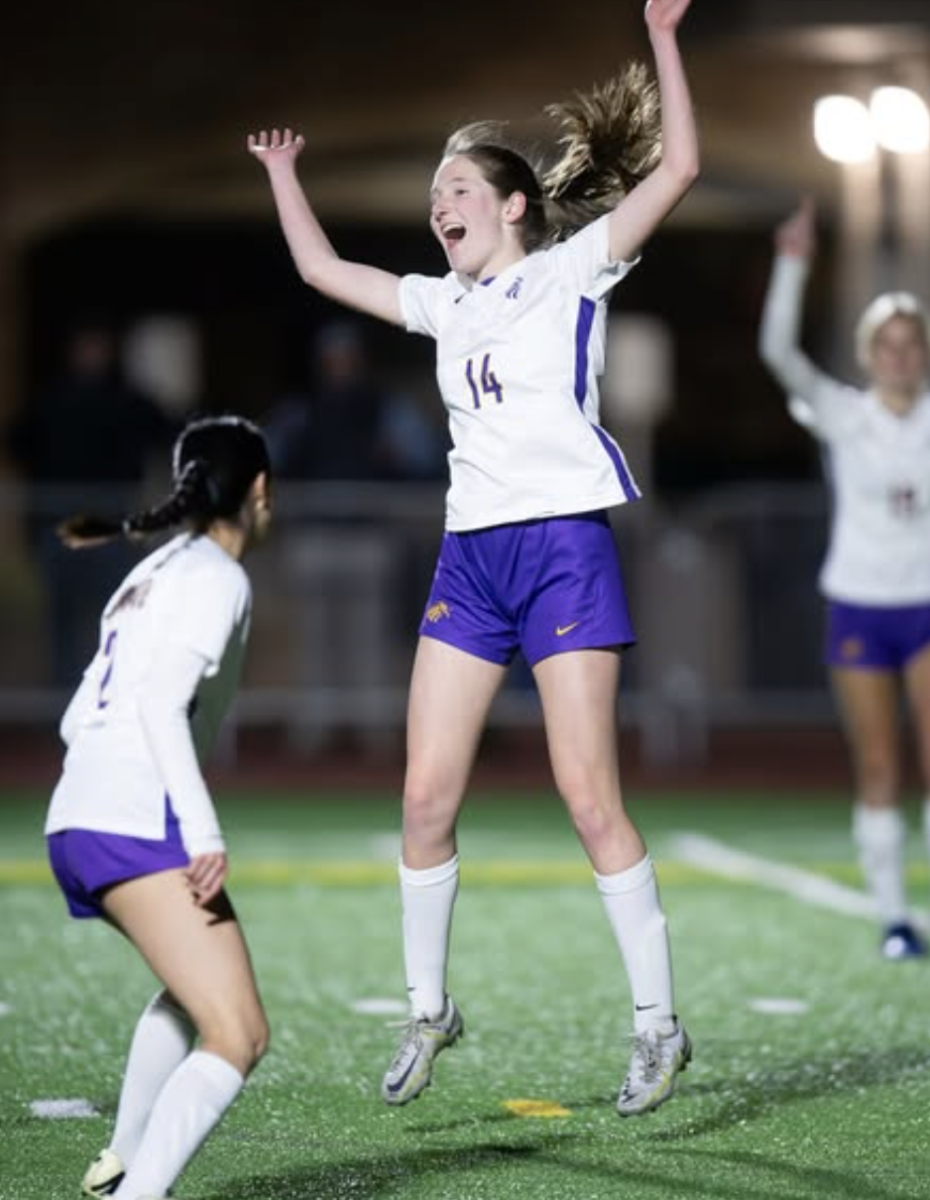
(829,1099)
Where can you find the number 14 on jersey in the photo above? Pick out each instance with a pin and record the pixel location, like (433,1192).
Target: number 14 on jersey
(487,380)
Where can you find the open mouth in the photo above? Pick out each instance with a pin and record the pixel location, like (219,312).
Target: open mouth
(453,233)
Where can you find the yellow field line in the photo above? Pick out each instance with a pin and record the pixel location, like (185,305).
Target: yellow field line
(501,872)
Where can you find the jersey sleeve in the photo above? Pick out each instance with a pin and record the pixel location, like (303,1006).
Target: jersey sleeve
(816,400)
(164,711)
(583,261)
(420,299)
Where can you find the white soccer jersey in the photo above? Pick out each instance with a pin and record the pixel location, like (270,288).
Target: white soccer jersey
(879,551)
(188,599)
(517,363)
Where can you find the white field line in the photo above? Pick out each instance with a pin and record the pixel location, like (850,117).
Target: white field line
(806,886)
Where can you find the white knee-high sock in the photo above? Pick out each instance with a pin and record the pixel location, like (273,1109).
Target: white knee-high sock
(189,1105)
(163,1039)
(631,899)
(428,897)
(879,836)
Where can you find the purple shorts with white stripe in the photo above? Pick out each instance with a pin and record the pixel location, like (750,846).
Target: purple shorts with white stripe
(875,638)
(86,862)
(543,587)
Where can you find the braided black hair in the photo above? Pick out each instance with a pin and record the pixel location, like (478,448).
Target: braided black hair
(214,463)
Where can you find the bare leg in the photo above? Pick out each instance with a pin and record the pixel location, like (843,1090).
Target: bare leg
(200,956)
(579,699)
(450,695)
(579,696)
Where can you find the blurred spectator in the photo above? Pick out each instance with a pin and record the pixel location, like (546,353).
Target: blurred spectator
(346,425)
(414,444)
(85,441)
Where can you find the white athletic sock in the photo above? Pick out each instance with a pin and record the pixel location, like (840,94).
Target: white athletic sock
(631,899)
(879,836)
(427,897)
(163,1039)
(189,1105)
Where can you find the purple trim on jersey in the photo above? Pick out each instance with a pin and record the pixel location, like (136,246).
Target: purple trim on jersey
(87,862)
(543,587)
(875,638)
(587,308)
(630,490)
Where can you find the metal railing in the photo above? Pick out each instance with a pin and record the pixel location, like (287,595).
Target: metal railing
(723,592)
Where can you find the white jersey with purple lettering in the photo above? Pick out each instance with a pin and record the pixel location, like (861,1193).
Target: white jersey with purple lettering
(879,463)
(517,362)
(188,602)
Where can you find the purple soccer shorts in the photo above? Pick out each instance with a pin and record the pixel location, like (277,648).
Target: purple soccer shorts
(86,862)
(876,638)
(543,587)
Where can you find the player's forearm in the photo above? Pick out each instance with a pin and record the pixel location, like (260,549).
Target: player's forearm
(356,285)
(650,202)
(780,334)
(779,330)
(168,731)
(680,161)
(310,248)
(163,711)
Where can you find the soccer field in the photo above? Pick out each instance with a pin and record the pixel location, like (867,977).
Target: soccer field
(811,1075)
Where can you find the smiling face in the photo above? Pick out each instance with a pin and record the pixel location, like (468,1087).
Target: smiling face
(475,226)
(898,357)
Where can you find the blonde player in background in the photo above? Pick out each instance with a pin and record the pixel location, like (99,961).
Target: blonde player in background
(132,832)
(876,577)
(528,561)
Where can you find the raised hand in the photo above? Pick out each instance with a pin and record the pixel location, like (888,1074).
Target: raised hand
(797,236)
(275,146)
(665,14)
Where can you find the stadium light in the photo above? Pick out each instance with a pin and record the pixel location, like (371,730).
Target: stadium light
(900,120)
(848,131)
(843,129)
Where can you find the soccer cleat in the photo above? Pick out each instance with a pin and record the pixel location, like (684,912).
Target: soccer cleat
(655,1064)
(104,1175)
(411,1069)
(902,941)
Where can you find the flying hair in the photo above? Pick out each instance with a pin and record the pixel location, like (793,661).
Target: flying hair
(609,140)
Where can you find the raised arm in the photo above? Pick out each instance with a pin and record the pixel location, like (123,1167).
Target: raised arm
(639,213)
(357,285)
(780,328)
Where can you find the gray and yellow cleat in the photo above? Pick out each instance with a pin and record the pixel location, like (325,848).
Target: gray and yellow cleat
(411,1069)
(655,1065)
